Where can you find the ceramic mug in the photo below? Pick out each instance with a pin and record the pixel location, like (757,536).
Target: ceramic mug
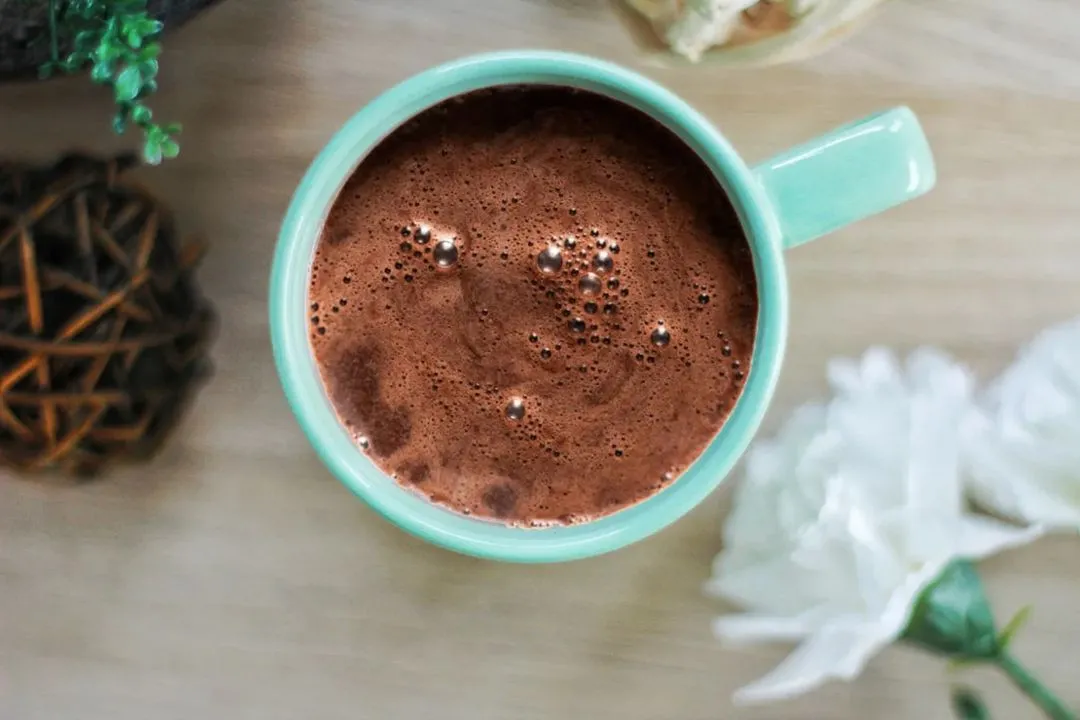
(850,173)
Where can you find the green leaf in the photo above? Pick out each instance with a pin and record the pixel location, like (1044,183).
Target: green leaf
(952,617)
(128,84)
(152,152)
(120,122)
(148,69)
(101,73)
(134,38)
(77,58)
(1013,626)
(86,40)
(150,27)
(173,129)
(141,115)
(107,52)
(85,9)
(968,705)
(170,148)
(150,52)
(71,63)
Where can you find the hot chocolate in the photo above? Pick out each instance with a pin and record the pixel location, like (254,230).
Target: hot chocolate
(533,304)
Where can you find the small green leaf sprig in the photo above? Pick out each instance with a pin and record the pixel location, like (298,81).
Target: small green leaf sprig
(116,40)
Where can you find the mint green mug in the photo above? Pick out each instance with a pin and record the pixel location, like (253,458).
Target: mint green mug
(803,193)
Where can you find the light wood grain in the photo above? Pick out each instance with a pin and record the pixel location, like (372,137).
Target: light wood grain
(234,578)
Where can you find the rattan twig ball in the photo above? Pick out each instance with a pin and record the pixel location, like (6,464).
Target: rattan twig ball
(103,331)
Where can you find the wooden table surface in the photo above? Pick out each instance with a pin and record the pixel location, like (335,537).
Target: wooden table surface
(234,578)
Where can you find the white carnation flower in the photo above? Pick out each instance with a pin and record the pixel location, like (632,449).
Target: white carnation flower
(847,516)
(1023,442)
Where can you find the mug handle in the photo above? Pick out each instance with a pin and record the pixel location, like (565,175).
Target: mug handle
(848,174)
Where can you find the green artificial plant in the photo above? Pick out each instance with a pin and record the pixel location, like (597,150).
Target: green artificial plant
(116,40)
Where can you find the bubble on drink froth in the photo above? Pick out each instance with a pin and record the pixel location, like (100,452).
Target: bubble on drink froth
(545,353)
(660,336)
(577,325)
(363,442)
(570,242)
(589,284)
(423,234)
(445,253)
(602,262)
(550,260)
(515,409)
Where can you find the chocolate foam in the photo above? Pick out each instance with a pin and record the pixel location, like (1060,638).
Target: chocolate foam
(422,362)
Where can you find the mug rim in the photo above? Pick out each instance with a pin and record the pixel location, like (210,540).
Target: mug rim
(299,375)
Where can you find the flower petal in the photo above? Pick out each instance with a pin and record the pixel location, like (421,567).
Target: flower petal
(1023,443)
(980,537)
(932,370)
(934,495)
(838,650)
(758,584)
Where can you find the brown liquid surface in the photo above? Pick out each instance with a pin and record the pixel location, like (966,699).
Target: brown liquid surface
(422,362)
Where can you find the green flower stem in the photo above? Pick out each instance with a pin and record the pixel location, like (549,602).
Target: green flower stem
(1038,693)
(54,40)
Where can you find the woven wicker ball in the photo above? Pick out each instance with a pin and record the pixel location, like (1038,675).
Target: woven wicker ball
(103,331)
(24,31)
